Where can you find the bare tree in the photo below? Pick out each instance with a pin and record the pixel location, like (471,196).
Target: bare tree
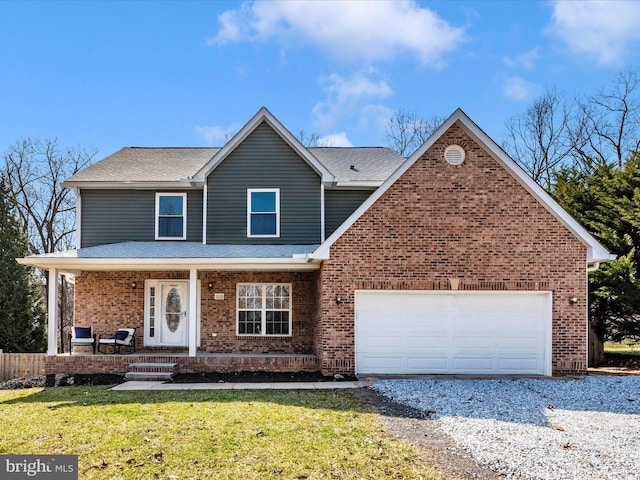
(308,139)
(539,139)
(406,131)
(35,170)
(607,128)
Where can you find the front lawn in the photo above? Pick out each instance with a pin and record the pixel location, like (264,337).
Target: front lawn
(206,434)
(622,348)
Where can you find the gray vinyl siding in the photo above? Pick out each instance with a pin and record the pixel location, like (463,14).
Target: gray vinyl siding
(339,205)
(263,160)
(113,216)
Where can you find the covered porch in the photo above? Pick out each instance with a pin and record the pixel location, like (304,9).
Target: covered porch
(129,286)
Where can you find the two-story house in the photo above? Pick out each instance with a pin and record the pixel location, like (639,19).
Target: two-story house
(268,255)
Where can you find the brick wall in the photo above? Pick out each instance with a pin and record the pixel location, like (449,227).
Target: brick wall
(119,364)
(473,222)
(106,301)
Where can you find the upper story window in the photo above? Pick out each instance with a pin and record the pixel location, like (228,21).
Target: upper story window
(171,217)
(263,212)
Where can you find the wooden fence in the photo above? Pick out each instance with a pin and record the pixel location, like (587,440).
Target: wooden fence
(19,365)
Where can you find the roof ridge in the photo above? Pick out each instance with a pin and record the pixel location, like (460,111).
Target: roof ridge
(175,148)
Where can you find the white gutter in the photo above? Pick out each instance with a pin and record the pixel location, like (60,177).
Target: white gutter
(128,185)
(74,264)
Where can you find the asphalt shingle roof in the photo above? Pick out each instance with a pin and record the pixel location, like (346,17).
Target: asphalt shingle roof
(359,163)
(142,164)
(184,250)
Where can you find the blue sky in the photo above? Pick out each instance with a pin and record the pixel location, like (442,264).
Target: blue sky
(110,74)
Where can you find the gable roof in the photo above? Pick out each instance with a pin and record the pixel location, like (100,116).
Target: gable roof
(182,167)
(139,165)
(595,251)
(266,116)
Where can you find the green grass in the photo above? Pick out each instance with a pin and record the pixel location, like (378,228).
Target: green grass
(622,348)
(208,434)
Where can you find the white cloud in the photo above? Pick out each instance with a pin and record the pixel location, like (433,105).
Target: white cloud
(347,97)
(369,31)
(334,140)
(526,60)
(601,29)
(517,88)
(214,135)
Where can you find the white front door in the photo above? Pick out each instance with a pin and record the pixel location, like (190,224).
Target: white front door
(174,316)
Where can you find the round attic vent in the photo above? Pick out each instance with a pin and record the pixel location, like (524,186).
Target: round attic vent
(454,154)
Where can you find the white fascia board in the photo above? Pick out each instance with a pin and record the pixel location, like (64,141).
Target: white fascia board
(97,264)
(263,115)
(78,218)
(178,185)
(342,183)
(595,251)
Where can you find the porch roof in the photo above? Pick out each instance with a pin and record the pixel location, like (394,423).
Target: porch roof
(177,256)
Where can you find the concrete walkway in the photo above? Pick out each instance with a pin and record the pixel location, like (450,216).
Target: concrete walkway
(158,386)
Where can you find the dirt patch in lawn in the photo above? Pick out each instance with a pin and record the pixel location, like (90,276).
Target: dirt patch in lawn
(438,449)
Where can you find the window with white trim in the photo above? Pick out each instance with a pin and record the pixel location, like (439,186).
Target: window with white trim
(264,309)
(171,216)
(263,212)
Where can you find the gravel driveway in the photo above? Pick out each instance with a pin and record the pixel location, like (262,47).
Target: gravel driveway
(536,428)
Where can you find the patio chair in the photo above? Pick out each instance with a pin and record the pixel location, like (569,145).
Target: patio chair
(123,338)
(82,337)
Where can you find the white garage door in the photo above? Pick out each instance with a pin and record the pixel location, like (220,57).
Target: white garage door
(458,332)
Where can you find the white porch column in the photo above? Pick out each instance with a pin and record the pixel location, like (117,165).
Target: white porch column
(52,332)
(193,312)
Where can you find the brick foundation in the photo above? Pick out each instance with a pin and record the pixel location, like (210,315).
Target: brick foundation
(119,364)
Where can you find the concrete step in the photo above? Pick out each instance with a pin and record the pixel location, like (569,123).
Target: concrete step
(151,371)
(149,375)
(144,366)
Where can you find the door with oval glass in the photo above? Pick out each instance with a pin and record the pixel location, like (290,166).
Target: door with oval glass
(174,315)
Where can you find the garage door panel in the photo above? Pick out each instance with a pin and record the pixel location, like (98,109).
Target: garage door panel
(473,365)
(453,332)
(477,344)
(382,364)
(519,344)
(519,365)
(430,364)
(418,343)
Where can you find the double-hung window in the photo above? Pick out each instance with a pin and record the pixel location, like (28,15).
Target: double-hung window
(264,309)
(171,216)
(263,212)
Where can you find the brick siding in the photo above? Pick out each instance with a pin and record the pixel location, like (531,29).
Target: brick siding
(473,222)
(106,301)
